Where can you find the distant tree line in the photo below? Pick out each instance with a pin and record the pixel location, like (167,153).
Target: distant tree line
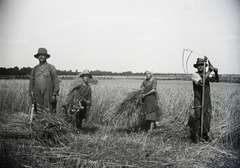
(27,70)
(106,73)
(15,71)
(24,73)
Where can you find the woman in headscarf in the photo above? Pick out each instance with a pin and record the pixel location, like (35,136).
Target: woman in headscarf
(78,100)
(149,97)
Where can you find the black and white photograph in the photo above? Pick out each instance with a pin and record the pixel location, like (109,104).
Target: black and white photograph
(119,83)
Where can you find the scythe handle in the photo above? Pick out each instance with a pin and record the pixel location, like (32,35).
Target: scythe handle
(203,91)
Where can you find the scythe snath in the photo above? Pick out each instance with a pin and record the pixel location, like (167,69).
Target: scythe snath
(203,91)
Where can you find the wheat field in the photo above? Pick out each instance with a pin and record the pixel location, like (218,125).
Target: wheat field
(101,145)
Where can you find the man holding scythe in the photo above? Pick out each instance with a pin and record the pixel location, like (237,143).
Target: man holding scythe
(200,122)
(44,83)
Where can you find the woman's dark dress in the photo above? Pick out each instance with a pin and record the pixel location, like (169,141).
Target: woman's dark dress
(150,105)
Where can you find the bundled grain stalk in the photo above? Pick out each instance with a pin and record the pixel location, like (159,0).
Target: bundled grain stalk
(50,129)
(128,113)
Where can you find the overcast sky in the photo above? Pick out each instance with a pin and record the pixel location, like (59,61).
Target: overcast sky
(121,35)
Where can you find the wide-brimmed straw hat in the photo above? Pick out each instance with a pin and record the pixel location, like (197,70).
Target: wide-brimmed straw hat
(200,61)
(42,51)
(148,71)
(86,72)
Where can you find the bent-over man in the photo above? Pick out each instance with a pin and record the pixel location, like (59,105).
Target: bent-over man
(79,97)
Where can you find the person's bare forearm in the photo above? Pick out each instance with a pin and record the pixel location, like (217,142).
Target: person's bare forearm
(150,92)
(216,75)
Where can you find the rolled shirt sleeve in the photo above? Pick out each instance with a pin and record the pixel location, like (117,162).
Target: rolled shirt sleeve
(196,78)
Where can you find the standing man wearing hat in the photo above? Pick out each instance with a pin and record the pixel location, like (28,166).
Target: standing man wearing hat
(44,82)
(78,100)
(195,120)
